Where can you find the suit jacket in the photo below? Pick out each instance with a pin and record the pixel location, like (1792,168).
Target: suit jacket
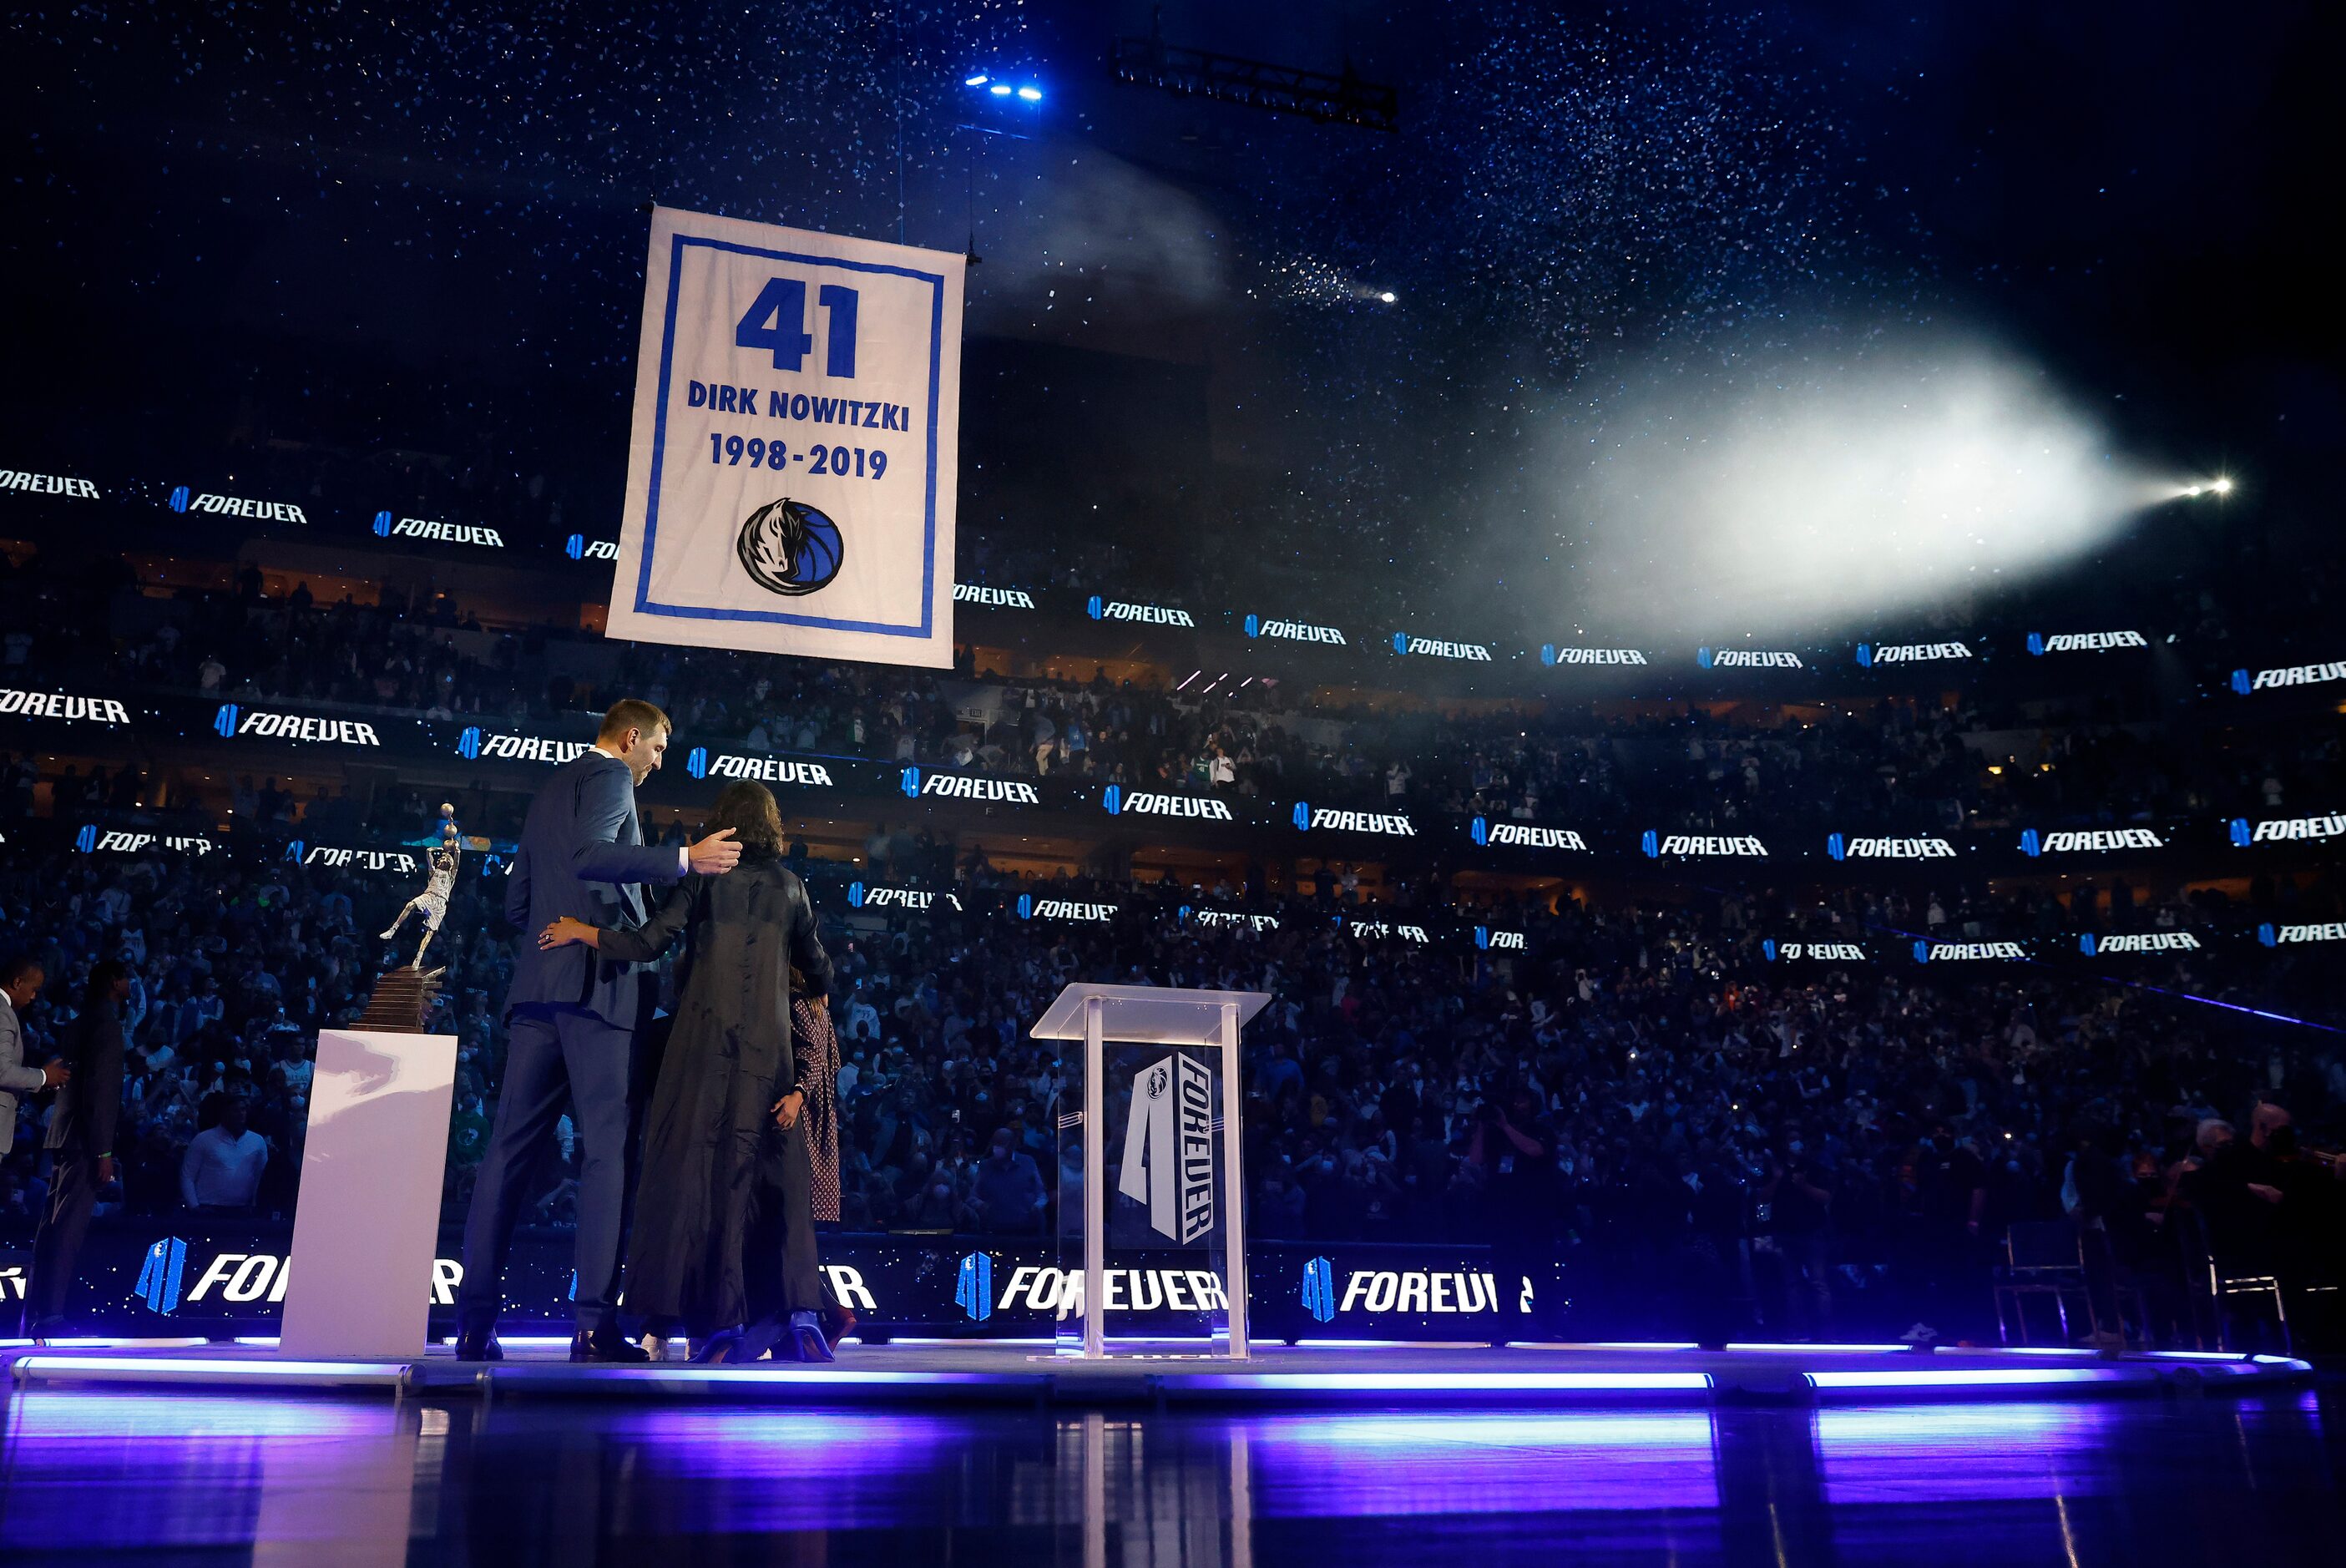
(91,1101)
(583,854)
(15,1076)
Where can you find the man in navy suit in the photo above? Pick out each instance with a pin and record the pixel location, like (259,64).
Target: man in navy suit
(572,1025)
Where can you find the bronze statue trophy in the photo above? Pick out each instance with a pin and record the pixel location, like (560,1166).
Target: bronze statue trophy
(402,997)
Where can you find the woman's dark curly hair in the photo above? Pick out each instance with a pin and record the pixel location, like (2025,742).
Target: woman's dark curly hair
(748,807)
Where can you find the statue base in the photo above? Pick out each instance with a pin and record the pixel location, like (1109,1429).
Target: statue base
(402,1001)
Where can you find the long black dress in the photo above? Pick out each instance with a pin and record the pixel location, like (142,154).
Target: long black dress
(724,1218)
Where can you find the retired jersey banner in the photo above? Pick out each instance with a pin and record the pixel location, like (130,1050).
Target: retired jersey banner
(791,475)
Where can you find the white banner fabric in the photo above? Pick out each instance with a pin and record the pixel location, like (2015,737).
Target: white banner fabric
(791,471)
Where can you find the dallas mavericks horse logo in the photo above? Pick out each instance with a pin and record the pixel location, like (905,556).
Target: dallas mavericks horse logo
(789,547)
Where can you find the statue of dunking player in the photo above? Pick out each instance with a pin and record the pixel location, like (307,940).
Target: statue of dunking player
(432,903)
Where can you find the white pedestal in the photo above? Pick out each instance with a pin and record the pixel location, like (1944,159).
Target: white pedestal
(367,1223)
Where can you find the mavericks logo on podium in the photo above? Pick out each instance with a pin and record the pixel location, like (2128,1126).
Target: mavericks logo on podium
(1168,1147)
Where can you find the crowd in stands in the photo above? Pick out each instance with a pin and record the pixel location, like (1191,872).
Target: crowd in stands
(1891,765)
(1821,1142)
(1641,1091)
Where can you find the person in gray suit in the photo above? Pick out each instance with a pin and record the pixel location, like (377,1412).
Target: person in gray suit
(20,982)
(573,1022)
(80,1144)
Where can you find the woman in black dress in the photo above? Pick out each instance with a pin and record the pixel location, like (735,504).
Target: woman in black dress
(723,1241)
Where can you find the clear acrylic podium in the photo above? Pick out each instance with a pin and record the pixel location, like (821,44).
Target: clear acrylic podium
(1168,1141)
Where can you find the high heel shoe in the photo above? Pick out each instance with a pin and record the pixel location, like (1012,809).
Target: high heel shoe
(718,1350)
(758,1339)
(806,1338)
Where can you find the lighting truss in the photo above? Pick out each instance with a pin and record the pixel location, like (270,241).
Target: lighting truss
(1341,99)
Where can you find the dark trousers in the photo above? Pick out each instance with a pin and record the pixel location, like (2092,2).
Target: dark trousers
(552,1058)
(65,1220)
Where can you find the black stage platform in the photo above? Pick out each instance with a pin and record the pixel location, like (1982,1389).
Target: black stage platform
(1174,1372)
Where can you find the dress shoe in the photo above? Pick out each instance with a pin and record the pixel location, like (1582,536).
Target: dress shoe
(606,1346)
(838,1323)
(479,1347)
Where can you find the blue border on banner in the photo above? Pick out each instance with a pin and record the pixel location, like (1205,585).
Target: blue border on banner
(643,605)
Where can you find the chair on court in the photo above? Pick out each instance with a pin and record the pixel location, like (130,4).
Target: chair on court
(2041,1258)
(2221,1281)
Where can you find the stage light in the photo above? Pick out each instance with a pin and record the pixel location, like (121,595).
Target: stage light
(205,1368)
(1000,89)
(1031,95)
(1816,484)
(1401,1382)
(1923,1378)
(2223,486)
(978,80)
(1387,296)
